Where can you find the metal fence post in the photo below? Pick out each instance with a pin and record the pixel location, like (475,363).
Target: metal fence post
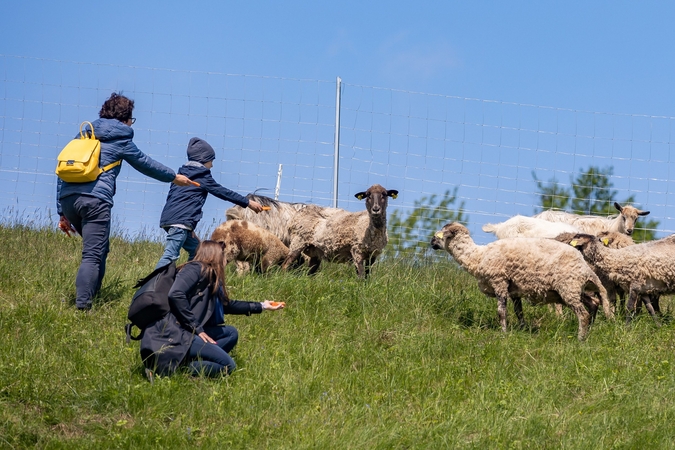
(278,188)
(336,159)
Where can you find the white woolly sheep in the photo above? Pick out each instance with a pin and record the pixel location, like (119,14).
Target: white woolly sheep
(337,235)
(542,270)
(623,223)
(611,239)
(523,226)
(615,240)
(642,270)
(247,242)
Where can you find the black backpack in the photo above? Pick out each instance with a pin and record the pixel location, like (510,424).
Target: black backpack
(151,301)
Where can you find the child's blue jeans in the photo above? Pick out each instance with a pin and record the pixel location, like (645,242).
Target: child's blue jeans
(176,239)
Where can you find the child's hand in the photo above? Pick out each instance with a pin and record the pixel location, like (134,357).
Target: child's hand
(273,306)
(255,206)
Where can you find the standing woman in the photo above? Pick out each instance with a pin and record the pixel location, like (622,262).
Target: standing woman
(85,207)
(192,333)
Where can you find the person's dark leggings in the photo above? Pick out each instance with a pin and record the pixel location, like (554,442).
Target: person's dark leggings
(91,218)
(212,360)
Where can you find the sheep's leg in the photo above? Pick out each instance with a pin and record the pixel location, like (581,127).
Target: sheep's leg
(370,260)
(360,266)
(591,305)
(292,256)
(607,306)
(501,290)
(648,304)
(518,309)
(655,303)
(265,263)
(611,295)
(576,302)
(314,264)
(360,272)
(501,311)
(583,317)
(630,306)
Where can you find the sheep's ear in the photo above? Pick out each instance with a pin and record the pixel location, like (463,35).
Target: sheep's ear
(605,241)
(643,213)
(393,193)
(439,235)
(360,195)
(618,207)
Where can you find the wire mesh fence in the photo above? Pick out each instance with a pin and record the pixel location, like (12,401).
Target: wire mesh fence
(421,144)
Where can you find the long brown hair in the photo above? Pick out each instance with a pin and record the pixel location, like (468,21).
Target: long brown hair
(211,255)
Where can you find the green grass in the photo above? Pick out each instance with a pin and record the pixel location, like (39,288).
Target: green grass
(412,358)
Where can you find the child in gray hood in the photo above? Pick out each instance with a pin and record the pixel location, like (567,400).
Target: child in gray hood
(183,209)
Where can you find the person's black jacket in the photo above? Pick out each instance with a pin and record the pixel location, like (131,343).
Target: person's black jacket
(184,203)
(166,342)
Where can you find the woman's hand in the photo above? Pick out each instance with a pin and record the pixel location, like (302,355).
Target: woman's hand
(206,338)
(272,306)
(182,180)
(66,226)
(255,206)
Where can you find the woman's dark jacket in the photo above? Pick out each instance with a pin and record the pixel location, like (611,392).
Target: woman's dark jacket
(166,342)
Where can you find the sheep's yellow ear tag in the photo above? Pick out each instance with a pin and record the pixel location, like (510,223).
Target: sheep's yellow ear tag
(439,235)
(394,196)
(360,197)
(605,241)
(574,243)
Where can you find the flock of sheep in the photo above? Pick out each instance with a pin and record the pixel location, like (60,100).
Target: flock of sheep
(555,257)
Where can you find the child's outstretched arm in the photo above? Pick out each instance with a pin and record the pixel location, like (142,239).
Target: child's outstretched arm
(212,187)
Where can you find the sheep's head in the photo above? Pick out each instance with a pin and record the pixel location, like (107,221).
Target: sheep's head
(613,239)
(629,214)
(376,199)
(447,233)
(565,238)
(583,241)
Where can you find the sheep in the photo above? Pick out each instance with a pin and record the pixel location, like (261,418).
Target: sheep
(543,270)
(247,242)
(642,270)
(337,235)
(615,240)
(623,223)
(611,239)
(275,219)
(523,226)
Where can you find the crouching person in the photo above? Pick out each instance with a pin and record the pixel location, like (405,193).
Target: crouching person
(192,334)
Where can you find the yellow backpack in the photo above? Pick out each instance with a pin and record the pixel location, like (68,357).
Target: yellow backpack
(78,161)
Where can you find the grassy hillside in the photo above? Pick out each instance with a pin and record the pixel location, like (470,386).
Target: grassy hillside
(412,358)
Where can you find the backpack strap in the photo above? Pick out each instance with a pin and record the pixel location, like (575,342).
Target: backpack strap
(110,166)
(93,136)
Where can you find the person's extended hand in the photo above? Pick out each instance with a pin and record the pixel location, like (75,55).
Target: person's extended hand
(182,180)
(206,338)
(255,206)
(272,306)
(66,226)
